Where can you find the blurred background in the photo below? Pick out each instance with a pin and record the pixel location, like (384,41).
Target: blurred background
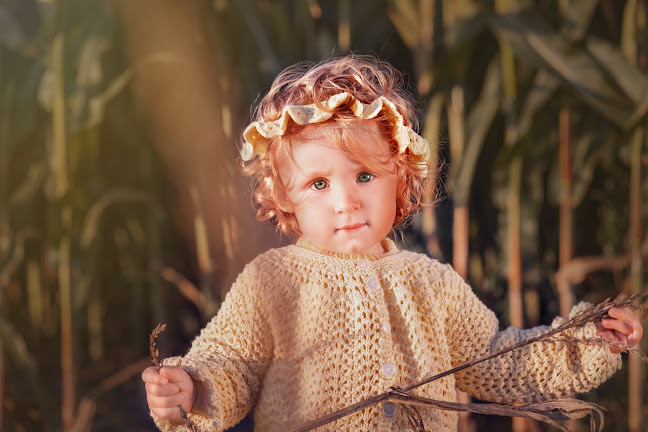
(121,205)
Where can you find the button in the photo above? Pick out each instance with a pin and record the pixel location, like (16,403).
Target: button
(389,409)
(389,369)
(363,264)
(385,326)
(372,283)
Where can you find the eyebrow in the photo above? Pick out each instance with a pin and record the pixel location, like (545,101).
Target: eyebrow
(317,172)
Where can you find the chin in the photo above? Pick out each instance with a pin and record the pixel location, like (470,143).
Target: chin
(362,248)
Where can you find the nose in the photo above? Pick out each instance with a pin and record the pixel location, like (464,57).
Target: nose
(346,199)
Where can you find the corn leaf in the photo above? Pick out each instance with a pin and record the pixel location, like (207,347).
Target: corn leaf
(535,43)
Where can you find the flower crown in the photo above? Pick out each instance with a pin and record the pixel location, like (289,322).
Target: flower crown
(257,135)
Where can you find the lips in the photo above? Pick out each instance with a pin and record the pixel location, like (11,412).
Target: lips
(351,227)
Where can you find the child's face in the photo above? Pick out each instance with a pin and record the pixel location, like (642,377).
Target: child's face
(340,205)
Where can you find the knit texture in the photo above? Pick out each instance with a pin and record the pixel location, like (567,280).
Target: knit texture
(303,333)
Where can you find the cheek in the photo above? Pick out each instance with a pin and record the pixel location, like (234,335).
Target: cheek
(388,204)
(306,212)
(393,209)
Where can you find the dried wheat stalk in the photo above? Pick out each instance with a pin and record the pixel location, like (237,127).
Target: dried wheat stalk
(155,354)
(547,412)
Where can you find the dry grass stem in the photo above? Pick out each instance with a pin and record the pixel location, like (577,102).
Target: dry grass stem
(188,423)
(186,288)
(155,354)
(547,412)
(600,341)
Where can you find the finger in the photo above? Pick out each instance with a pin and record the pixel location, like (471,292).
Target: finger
(152,375)
(606,335)
(636,335)
(619,325)
(602,332)
(622,338)
(611,336)
(166,413)
(624,314)
(161,390)
(164,402)
(174,374)
(628,315)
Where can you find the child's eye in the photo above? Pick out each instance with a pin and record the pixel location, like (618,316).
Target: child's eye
(364,177)
(320,184)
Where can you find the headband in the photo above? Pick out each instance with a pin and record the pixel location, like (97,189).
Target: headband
(257,135)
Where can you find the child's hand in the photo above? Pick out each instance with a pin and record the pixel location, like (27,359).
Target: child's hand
(622,327)
(168,388)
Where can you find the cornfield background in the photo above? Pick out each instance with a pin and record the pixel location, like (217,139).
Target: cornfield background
(121,205)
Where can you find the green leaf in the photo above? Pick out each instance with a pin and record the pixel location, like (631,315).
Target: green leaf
(403,15)
(27,189)
(89,80)
(535,43)
(15,345)
(11,34)
(576,17)
(260,34)
(120,196)
(543,87)
(25,111)
(621,72)
(479,120)
(464,30)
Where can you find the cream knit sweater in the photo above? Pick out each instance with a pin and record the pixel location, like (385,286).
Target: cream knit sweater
(304,332)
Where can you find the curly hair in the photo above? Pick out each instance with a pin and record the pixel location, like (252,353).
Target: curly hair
(366,78)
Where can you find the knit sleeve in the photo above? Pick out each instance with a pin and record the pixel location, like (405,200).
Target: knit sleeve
(228,359)
(536,372)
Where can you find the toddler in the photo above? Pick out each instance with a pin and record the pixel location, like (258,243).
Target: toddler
(344,314)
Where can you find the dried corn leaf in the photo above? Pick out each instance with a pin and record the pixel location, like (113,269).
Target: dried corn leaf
(546,412)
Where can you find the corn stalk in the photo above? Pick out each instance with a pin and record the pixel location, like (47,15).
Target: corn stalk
(565,237)
(460,219)
(424,54)
(456,125)
(513,211)
(59,165)
(565,242)
(4,160)
(344,25)
(634,18)
(2,374)
(431,132)
(460,224)
(636,374)
(203,254)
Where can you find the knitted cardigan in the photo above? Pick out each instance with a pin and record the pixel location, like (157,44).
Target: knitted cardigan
(304,332)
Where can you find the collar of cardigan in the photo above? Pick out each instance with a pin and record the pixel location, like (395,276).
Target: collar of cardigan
(388,244)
